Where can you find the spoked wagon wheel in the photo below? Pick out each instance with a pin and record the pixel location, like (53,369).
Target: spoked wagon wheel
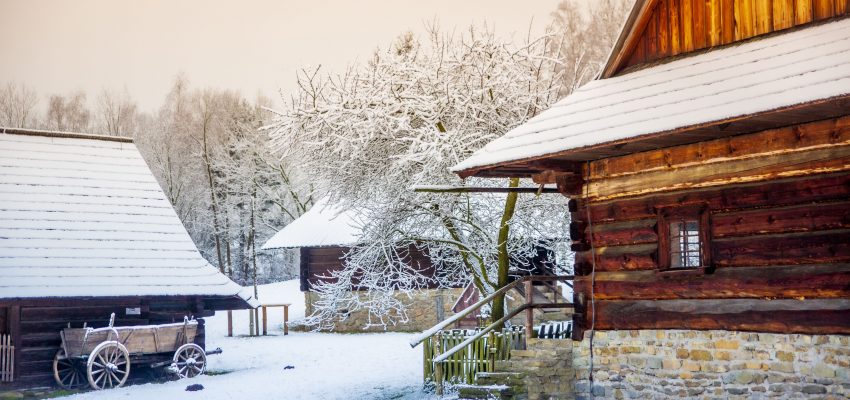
(68,374)
(190,360)
(108,365)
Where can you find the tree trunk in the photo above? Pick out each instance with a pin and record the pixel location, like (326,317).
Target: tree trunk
(498,306)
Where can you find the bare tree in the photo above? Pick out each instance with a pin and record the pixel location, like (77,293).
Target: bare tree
(116,112)
(68,113)
(17,102)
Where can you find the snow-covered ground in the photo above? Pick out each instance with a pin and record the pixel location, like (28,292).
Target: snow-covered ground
(326,366)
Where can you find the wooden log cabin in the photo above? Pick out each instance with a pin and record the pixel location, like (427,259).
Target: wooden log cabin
(708,171)
(86,231)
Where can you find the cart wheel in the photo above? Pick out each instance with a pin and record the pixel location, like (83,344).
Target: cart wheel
(190,360)
(67,373)
(108,365)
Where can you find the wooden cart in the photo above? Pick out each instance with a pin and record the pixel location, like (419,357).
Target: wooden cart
(103,356)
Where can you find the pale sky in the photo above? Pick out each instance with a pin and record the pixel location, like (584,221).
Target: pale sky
(249,45)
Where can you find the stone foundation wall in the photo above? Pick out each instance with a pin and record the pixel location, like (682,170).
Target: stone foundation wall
(427,308)
(549,375)
(652,364)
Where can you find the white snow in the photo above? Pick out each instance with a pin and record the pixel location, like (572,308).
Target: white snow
(327,366)
(84,216)
(324,224)
(792,68)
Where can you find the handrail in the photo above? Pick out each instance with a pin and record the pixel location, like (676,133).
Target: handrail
(461,345)
(454,318)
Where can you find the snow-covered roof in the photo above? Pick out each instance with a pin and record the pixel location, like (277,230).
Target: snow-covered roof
(83,216)
(324,224)
(788,69)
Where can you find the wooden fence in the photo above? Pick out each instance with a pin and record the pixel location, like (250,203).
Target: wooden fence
(478,356)
(7,359)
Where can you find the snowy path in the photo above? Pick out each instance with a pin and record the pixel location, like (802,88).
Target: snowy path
(327,366)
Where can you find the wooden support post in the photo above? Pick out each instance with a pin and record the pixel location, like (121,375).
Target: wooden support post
(265,322)
(493,350)
(438,367)
(250,322)
(529,313)
(229,323)
(286,319)
(257,318)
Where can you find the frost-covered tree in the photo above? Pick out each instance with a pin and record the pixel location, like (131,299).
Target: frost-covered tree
(17,104)
(68,113)
(116,112)
(587,31)
(368,136)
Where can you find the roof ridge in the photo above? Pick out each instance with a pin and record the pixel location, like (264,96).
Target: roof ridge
(69,135)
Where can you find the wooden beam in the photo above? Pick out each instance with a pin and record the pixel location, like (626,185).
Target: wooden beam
(482,189)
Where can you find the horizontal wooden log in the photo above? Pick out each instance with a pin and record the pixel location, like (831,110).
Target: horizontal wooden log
(773,141)
(618,258)
(786,192)
(625,233)
(785,281)
(786,322)
(834,158)
(796,248)
(801,218)
(39,313)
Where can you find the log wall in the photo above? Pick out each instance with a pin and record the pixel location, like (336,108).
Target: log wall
(35,326)
(679,26)
(779,236)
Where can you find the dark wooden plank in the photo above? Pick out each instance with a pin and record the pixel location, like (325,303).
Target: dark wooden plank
(625,233)
(800,218)
(14,321)
(806,248)
(618,258)
(625,315)
(776,282)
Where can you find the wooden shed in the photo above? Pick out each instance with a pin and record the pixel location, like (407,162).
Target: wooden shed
(86,231)
(708,169)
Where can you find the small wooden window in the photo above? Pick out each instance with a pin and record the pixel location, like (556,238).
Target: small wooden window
(683,236)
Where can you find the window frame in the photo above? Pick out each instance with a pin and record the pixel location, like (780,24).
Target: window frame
(672,213)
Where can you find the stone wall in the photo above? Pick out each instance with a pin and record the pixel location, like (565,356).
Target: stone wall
(549,375)
(713,365)
(427,307)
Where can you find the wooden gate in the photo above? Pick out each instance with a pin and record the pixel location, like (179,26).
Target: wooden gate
(7,358)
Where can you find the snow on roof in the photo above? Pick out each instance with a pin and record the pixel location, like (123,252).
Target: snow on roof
(84,216)
(787,69)
(324,224)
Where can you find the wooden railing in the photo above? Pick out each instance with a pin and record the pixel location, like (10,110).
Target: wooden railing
(479,356)
(7,359)
(529,306)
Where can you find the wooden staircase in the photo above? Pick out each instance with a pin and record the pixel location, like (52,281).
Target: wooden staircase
(538,369)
